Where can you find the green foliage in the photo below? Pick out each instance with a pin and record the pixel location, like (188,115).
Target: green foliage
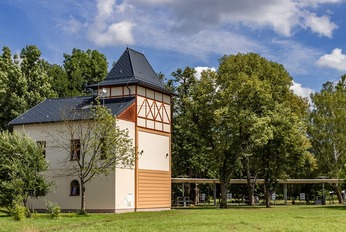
(53,209)
(327,129)
(19,212)
(34,70)
(27,80)
(21,165)
(187,156)
(13,86)
(83,68)
(241,119)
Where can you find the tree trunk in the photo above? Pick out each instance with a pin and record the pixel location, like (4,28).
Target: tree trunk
(224,191)
(267,193)
(251,193)
(338,193)
(82,207)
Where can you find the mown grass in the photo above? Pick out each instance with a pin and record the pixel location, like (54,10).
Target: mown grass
(277,218)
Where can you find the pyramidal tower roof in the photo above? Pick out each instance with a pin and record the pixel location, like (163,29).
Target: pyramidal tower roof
(132,68)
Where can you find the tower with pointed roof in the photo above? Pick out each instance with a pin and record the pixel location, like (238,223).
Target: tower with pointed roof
(136,96)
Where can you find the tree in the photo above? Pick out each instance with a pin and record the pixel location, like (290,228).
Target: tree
(186,153)
(84,68)
(34,71)
(13,88)
(264,118)
(239,113)
(21,167)
(95,146)
(327,130)
(59,80)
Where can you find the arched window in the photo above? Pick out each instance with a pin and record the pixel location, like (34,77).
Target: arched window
(74,188)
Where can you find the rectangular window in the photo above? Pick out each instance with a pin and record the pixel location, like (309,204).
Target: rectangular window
(43,145)
(75,149)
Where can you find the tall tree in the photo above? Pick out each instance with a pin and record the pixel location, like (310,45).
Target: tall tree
(239,113)
(21,166)
(327,130)
(34,71)
(84,68)
(13,88)
(95,147)
(186,152)
(256,105)
(59,80)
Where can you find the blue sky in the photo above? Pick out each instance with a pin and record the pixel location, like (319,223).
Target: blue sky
(306,36)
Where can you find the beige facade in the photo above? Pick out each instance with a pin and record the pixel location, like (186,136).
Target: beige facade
(111,193)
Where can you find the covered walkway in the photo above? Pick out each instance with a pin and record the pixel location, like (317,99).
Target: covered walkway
(258,181)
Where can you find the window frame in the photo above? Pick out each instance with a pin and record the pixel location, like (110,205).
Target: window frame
(74,188)
(75,147)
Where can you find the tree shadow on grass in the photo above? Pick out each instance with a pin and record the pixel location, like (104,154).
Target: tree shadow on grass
(218,208)
(4,213)
(331,207)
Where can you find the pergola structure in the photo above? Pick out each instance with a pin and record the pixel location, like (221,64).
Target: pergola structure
(259,181)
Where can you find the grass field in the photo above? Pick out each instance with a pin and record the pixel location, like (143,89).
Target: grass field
(277,218)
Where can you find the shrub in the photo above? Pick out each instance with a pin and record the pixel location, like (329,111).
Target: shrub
(53,209)
(19,212)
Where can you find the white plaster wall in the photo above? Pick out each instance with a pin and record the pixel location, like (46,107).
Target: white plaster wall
(155,149)
(130,126)
(125,189)
(100,192)
(49,132)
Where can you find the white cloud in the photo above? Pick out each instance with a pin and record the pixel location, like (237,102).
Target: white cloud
(109,30)
(283,16)
(73,26)
(334,60)
(301,91)
(117,33)
(200,69)
(321,25)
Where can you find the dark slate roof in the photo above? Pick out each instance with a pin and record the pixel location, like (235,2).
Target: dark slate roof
(60,109)
(132,68)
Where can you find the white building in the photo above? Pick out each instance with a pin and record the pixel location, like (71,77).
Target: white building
(141,104)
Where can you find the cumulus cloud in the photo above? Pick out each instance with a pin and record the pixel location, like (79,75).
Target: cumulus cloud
(200,69)
(334,60)
(301,91)
(321,25)
(283,16)
(107,29)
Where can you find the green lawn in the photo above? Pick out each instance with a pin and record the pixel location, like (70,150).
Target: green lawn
(277,218)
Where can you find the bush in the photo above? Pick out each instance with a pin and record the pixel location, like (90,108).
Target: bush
(19,212)
(53,209)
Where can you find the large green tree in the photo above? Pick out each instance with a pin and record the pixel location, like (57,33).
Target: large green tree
(327,130)
(34,71)
(187,155)
(21,166)
(244,119)
(13,88)
(82,69)
(254,103)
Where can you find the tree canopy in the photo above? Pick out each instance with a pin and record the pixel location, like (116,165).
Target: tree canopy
(21,166)
(242,117)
